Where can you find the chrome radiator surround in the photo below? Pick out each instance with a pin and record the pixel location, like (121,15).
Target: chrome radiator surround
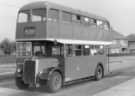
(29,71)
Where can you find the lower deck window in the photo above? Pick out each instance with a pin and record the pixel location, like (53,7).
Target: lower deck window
(86,50)
(55,50)
(78,50)
(69,50)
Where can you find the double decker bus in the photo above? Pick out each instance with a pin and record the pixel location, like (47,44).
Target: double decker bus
(56,45)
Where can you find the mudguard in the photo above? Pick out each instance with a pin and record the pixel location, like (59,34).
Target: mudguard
(47,74)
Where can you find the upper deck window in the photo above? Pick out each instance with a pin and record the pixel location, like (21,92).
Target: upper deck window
(103,25)
(106,26)
(66,16)
(76,18)
(85,20)
(99,22)
(93,21)
(53,15)
(38,15)
(24,16)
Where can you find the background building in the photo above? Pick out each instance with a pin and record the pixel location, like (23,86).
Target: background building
(131,43)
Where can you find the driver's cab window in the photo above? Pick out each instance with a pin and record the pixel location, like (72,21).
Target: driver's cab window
(56,50)
(47,49)
(39,50)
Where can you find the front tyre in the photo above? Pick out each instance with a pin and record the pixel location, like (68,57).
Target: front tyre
(99,72)
(55,82)
(20,84)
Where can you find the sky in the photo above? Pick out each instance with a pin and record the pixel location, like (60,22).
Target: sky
(120,13)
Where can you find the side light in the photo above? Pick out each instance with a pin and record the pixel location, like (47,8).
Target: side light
(40,72)
(18,70)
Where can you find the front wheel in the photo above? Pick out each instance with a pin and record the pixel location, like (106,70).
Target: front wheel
(55,82)
(99,72)
(20,84)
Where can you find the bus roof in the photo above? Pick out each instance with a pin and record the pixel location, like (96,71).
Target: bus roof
(45,4)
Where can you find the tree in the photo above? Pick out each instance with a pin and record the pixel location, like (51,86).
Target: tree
(12,46)
(7,47)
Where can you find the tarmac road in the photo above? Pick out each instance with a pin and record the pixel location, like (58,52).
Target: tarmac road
(6,68)
(122,68)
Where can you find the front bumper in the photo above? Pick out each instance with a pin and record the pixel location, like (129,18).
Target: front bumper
(40,77)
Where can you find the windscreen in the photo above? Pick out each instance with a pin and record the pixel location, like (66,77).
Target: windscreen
(39,50)
(24,48)
(35,15)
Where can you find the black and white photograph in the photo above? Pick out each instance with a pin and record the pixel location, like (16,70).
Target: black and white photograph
(67,48)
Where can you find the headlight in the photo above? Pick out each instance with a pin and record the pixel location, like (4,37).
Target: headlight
(43,71)
(18,70)
(40,72)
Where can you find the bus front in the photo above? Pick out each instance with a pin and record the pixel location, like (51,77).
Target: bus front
(39,61)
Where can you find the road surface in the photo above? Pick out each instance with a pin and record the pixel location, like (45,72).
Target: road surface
(122,69)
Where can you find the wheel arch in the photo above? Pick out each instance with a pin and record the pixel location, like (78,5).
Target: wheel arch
(101,64)
(56,70)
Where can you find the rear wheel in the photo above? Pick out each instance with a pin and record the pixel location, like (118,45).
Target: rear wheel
(99,72)
(20,84)
(55,82)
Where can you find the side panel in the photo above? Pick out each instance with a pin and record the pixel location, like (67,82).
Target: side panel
(78,67)
(59,29)
(89,32)
(104,35)
(78,31)
(66,30)
(53,29)
(45,63)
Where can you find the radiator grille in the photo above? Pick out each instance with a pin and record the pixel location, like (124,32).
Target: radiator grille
(29,71)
